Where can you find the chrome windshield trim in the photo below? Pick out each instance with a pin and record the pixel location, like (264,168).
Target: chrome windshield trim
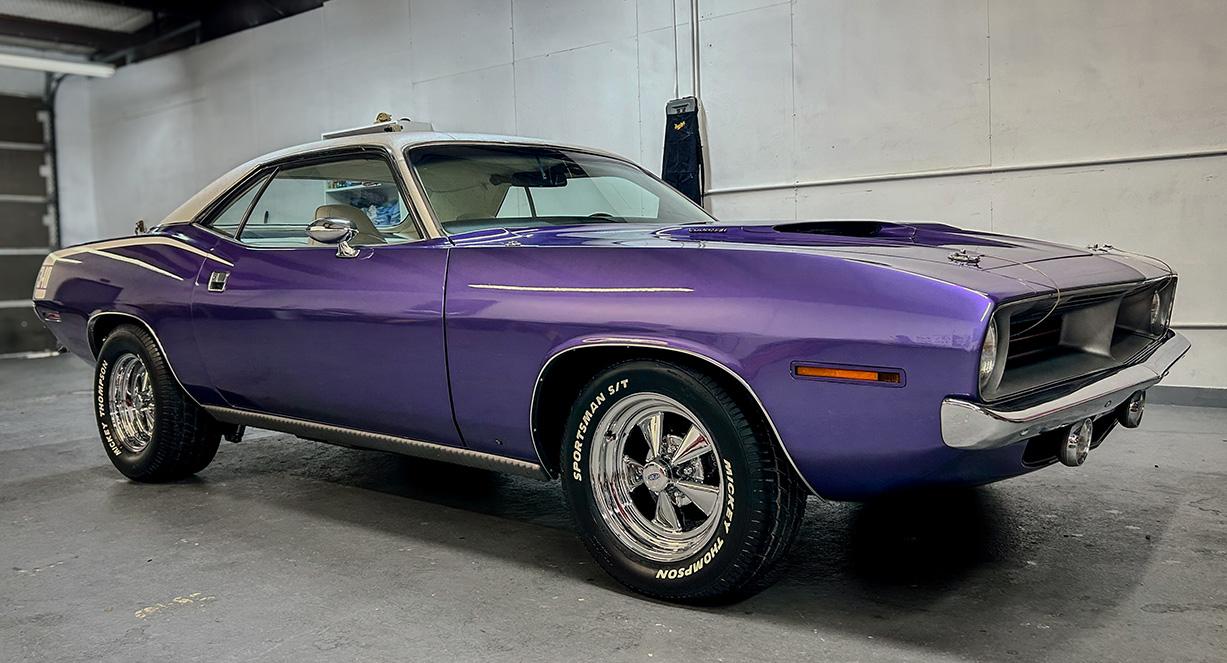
(969,425)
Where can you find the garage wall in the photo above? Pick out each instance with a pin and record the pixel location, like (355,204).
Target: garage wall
(799,97)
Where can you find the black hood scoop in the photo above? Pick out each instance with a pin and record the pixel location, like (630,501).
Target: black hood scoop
(848,229)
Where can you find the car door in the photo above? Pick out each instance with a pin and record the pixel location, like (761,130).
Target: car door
(294,330)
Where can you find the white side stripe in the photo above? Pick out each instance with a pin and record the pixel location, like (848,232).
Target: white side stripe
(140,241)
(533,288)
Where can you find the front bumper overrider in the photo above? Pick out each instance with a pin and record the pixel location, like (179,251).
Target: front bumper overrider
(969,425)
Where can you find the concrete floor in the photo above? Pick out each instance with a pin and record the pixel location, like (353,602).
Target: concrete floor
(287,550)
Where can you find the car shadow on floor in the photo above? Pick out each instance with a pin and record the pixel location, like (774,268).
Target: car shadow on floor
(975,572)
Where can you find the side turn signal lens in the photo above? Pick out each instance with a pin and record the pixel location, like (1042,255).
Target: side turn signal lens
(846,374)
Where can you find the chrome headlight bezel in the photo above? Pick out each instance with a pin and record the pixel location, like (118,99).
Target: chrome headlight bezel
(988,356)
(1161,311)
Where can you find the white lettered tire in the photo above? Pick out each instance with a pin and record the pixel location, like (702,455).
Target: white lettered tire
(678,494)
(151,430)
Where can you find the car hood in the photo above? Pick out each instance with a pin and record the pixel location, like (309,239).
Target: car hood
(920,241)
(1001,266)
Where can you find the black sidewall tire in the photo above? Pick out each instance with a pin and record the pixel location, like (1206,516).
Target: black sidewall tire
(707,572)
(131,464)
(185,438)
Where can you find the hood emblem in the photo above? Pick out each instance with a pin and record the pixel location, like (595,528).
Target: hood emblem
(964,257)
(1101,248)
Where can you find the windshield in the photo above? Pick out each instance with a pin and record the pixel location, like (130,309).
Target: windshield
(476,187)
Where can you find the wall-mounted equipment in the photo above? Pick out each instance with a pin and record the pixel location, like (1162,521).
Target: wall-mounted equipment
(683,161)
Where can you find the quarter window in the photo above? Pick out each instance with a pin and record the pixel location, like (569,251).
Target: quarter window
(229,220)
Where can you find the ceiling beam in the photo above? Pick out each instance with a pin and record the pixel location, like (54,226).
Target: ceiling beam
(62,33)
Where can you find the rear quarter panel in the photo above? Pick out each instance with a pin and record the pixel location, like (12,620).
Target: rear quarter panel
(149,277)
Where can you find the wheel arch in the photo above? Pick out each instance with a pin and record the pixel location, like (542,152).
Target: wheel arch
(102,323)
(570,369)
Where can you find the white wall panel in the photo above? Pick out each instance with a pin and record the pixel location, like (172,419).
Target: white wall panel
(654,15)
(290,46)
(74,134)
(1079,80)
(961,201)
(458,36)
(773,205)
(365,32)
(353,94)
(889,87)
(1203,365)
(552,26)
(291,109)
(747,93)
(586,95)
(656,79)
(481,101)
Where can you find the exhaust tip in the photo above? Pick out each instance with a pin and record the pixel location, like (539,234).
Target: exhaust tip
(1077,443)
(1130,412)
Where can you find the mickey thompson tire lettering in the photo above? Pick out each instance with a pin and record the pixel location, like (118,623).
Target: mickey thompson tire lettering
(762,505)
(184,438)
(670,574)
(104,419)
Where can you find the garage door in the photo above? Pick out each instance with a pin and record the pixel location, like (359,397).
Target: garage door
(26,221)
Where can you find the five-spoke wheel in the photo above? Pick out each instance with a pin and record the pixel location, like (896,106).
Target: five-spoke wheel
(679,493)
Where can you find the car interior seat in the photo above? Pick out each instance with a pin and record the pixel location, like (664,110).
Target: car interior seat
(367,232)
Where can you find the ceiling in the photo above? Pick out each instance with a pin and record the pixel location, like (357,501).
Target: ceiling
(125,31)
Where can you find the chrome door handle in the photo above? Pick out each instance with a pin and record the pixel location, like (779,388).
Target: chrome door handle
(217,281)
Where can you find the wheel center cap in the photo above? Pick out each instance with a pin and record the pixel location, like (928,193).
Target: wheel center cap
(655,477)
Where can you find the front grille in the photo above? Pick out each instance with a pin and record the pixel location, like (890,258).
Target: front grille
(1032,338)
(1055,340)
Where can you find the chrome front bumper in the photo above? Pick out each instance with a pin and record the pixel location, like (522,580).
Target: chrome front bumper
(968,425)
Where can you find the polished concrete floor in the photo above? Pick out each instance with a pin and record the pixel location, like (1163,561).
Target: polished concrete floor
(288,550)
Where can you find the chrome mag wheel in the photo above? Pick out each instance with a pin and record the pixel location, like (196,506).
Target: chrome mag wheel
(656,477)
(131,403)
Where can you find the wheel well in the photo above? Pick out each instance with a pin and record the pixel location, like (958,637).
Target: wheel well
(102,325)
(570,372)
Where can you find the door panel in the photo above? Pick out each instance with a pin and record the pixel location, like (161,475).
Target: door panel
(358,343)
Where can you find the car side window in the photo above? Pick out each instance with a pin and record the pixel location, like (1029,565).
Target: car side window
(231,218)
(359,189)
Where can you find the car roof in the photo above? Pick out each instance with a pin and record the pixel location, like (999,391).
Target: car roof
(395,141)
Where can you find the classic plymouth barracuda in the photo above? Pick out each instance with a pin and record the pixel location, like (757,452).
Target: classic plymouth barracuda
(558,312)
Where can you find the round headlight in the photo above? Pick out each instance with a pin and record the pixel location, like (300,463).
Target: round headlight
(988,356)
(1160,314)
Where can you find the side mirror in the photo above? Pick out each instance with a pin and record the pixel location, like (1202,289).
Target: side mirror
(334,230)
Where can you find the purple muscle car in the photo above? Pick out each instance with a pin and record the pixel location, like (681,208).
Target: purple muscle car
(558,312)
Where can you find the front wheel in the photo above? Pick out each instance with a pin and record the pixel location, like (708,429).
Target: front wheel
(151,430)
(677,492)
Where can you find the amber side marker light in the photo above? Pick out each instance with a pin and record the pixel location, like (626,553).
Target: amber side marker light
(847,374)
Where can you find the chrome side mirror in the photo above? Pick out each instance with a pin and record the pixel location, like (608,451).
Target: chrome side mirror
(334,230)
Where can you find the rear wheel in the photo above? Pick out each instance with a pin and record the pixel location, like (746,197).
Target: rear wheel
(678,494)
(151,430)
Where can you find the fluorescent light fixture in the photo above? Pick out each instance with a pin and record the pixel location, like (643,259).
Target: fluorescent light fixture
(57,66)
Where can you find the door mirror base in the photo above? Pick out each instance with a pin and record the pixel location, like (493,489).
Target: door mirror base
(335,230)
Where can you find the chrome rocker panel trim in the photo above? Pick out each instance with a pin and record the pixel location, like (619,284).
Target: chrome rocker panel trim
(968,425)
(358,439)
